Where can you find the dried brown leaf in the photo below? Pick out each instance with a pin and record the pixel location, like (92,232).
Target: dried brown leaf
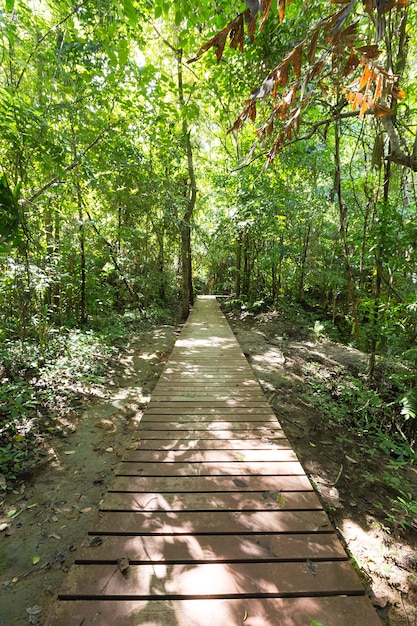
(365,77)
(357,101)
(218,42)
(236,30)
(337,21)
(296,59)
(363,108)
(316,69)
(370,52)
(252,112)
(397,93)
(275,87)
(251,24)
(281,10)
(282,73)
(348,35)
(351,64)
(266,7)
(368,5)
(381,110)
(378,88)
(312,47)
(237,34)
(283,110)
(324,92)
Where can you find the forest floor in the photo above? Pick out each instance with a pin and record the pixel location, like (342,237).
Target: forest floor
(45,519)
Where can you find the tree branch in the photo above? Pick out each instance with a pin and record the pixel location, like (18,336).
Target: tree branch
(69,168)
(398,154)
(42,39)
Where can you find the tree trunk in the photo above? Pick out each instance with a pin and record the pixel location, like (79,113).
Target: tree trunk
(187,299)
(246,264)
(343,233)
(238,263)
(81,239)
(306,243)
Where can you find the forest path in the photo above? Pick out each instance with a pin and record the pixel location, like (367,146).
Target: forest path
(211,518)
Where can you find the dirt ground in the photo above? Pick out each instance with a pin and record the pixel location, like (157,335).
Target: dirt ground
(45,521)
(347,477)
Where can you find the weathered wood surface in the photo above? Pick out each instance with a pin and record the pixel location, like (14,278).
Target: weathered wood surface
(211,519)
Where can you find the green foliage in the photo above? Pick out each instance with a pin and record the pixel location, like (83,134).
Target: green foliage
(348,401)
(403,511)
(40,383)
(318,330)
(94,184)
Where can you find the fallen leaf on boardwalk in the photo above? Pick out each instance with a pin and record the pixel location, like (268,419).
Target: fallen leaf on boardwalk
(69,452)
(123,563)
(86,510)
(281,500)
(239,483)
(3,527)
(14,513)
(55,536)
(311,567)
(36,560)
(94,542)
(245,617)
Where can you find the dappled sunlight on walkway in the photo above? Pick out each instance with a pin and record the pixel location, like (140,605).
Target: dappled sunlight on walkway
(211,519)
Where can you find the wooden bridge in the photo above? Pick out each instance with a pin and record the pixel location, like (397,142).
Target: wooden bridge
(211,520)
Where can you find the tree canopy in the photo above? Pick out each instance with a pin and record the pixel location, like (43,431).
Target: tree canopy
(135,143)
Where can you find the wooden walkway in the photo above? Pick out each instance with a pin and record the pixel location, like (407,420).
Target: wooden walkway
(211,520)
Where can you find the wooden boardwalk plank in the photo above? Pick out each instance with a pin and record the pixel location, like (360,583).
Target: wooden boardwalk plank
(224,431)
(331,611)
(216,456)
(211,468)
(208,484)
(221,501)
(208,522)
(211,580)
(210,519)
(209,444)
(209,548)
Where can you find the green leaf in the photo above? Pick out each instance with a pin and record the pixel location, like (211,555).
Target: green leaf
(9,211)
(9,5)
(123,52)
(314,622)
(36,560)
(130,12)
(281,501)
